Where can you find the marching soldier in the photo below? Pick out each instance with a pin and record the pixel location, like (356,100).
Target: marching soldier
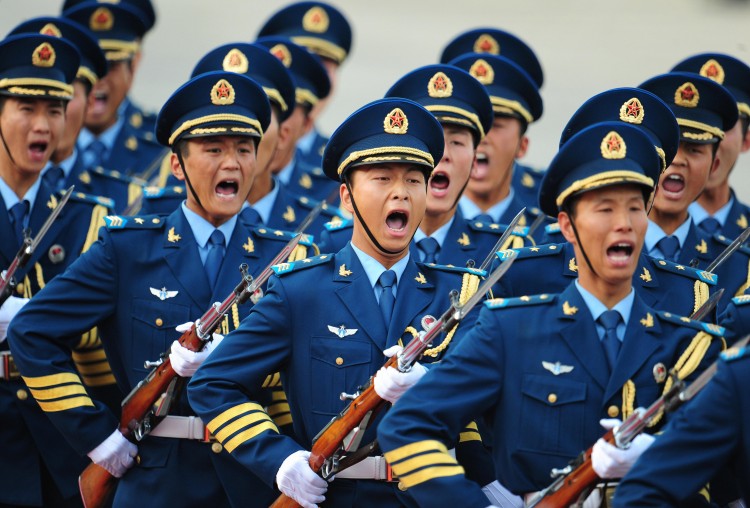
(545,369)
(326,321)
(37,74)
(145,276)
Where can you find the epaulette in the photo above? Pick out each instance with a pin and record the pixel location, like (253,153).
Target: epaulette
(338,223)
(741,300)
(735,353)
(552,229)
(309,204)
(116,175)
(284,268)
(519,301)
(686,271)
(283,235)
(133,141)
(549,249)
(154,192)
(494,227)
(727,241)
(456,269)
(136,222)
(90,198)
(709,328)
(305,180)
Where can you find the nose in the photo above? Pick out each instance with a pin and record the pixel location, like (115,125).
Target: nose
(41,122)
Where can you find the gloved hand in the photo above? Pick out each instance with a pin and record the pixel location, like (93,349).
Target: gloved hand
(611,462)
(9,309)
(115,454)
(297,480)
(390,384)
(186,362)
(500,496)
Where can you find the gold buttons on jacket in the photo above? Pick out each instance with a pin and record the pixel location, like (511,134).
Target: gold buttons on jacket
(552,398)
(22,394)
(159,321)
(339,361)
(19,288)
(216,447)
(613,411)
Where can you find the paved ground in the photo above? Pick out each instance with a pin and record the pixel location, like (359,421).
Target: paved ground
(586,46)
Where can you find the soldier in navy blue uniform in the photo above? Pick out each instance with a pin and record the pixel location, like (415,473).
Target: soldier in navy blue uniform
(324,31)
(326,321)
(717,208)
(736,317)
(492,41)
(110,139)
(544,369)
(704,110)
(709,433)
(37,73)
(145,276)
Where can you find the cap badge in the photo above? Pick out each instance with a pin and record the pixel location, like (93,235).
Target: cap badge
(483,72)
(486,44)
(613,146)
(396,122)
(632,111)
(281,52)
(50,29)
(713,70)
(44,55)
(222,94)
(687,95)
(440,86)
(235,61)
(101,20)
(315,20)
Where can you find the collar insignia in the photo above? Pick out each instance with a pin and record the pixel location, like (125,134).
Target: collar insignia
(162,294)
(343,272)
(249,246)
(742,221)
(557,368)
(305,181)
(702,247)
(464,240)
(568,309)
(420,278)
(52,203)
(342,331)
(289,215)
(173,237)
(646,275)
(648,321)
(572,266)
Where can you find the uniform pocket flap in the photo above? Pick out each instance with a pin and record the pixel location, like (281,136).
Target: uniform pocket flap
(553,393)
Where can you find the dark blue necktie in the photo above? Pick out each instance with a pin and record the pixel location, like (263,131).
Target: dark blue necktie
(17,216)
(94,154)
(609,320)
(668,246)
(484,217)
(387,300)
(215,256)
(710,225)
(430,247)
(53,178)
(250,216)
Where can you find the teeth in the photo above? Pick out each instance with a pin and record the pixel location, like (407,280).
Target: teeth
(481,157)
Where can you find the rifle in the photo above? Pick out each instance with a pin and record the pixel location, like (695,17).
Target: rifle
(28,246)
(149,401)
(344,432)
(736,243)
(579,475)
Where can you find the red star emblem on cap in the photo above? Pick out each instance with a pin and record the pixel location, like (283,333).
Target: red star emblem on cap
(712,71)
(687,93)
(396,119)
(613,144)
(45,53)
(222,91)
(485,45)
(49,31)
(102,18)
(633,109)
(440,83)
(481,71)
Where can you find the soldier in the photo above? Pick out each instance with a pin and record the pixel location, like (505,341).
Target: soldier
(146,275)
(717,208)
(709,433)
(544,369)
(492,41)
(109,139)
(36,74)
(704,110)
(324,31)
(382,154)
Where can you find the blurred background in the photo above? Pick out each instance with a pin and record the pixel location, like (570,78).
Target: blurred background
(585,46)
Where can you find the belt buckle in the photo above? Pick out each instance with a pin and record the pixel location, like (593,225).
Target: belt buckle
(389,476)
(207,436)
(10,371)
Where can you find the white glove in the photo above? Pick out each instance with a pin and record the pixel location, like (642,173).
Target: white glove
(186,362)
(390,384)
(115,454)
(611,462)
(297,480)
(9,309)
(501,497)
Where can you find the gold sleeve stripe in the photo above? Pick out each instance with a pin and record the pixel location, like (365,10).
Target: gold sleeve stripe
(97,221)
(241,423)
(65,404)
(107,379)
(232,413)
(432,459)
(52,380)
(89,339)
(429,474)
(281,421)
(407,451)
(91,356)
(272,380)
(249,434)
(58,392)
(471,435)
(472,426)
(278,408)
(278,395)
(92,369)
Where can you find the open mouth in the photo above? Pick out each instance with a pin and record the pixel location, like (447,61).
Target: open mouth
(439,182)
(480,169)
(620,253)
(673,184)
(37,149)
(99,102)
(227,189)
(396,220)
